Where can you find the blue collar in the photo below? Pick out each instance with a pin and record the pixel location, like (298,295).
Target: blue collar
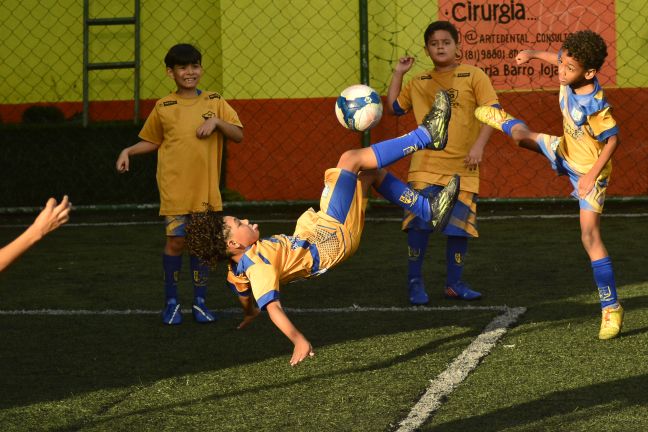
(581,106)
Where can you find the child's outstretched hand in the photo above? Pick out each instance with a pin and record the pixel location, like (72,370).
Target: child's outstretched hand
(303,350)
(52,216)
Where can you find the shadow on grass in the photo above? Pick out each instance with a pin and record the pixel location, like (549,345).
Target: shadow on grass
(626,392)
(66,355)
(420,351)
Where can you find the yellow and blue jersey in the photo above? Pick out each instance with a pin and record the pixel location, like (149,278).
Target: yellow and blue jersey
(468,87)
(188,167)
(322,239)
(587,124)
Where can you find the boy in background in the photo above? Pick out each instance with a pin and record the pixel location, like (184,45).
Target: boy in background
(469,87)
(188,129)
(325,238)
(584,152)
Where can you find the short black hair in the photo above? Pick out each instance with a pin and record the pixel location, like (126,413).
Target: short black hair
(441,25)
(182,54)
(587,47)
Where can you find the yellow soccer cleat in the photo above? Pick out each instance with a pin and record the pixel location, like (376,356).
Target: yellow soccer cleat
(611,323)
(494,117)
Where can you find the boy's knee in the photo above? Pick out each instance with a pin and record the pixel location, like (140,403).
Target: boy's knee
(175,244)
(348,159)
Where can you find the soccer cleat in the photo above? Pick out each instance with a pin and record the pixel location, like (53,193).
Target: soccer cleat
(436,121)
(172,315)
(200,312)
(611,323)
(494,117)
(442,204)
(461,291)
(417,294)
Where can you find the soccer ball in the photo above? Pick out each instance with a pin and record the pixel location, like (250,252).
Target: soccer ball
(358,108)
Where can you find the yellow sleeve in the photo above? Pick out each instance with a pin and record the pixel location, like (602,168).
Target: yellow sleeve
(404,98)
(265,283)
(603,124)
(483,89)
(241,283)
(152,130)
(228,114)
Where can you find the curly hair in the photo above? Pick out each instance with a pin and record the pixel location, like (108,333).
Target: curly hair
(207,236)
(587,47)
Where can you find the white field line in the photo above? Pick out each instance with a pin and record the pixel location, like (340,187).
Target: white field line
(449,379)
(368,219)
(350,309)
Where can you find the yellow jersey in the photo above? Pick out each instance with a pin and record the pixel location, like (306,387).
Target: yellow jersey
(188,167)
(322,239)
(468,87)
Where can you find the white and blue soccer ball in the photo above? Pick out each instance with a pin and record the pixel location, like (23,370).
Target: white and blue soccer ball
(358,108)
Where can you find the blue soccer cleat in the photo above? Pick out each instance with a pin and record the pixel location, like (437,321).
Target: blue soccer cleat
(461,291)
(172,315)
(417,294)
(201,313)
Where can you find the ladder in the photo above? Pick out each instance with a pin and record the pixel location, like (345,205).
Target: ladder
(87,66)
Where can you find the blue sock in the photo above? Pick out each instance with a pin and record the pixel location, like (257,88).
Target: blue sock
(456,248)
(417,241)
(604,279)
(389,151)
(397,192)
(171,266)
(200,275)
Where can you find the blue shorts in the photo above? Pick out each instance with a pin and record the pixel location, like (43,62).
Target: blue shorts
(176,225)
(594,201)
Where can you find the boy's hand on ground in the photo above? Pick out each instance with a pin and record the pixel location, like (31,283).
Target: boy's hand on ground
(303,350)
(248,317)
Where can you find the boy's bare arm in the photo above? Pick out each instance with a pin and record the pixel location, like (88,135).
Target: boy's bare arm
(303,348)
(404,64)
(547,56)
(229,131)
(123,161)
(586,182)
(250,311)
(476,153)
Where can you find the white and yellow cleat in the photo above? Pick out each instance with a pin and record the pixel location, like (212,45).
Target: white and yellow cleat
(611,323)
